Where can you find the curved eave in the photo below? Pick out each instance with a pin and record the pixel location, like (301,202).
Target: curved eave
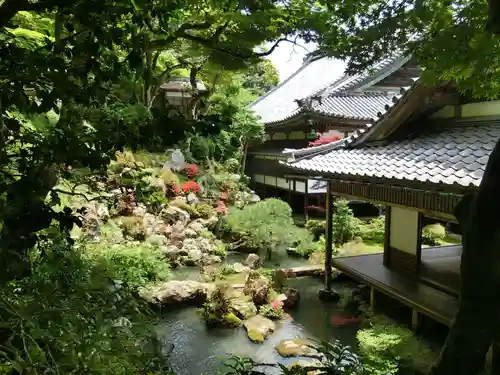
(437,185)
(384,119)
(318,117)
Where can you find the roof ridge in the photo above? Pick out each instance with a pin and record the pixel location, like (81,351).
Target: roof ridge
(346,94)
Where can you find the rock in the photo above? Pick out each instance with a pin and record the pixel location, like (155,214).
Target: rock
(292,298)
(253,261)
(328,295)
(258,289)
(197,226)
(208,260)
(189,233)
(304,363)
(139,210)
(177,233)
(258,328)
(255,198)
(240,268)
(156,240)
(192,198)
(232,320)
(175,215)
(243,307)
(177,292)
(193,257)
(211,222)
(295,348)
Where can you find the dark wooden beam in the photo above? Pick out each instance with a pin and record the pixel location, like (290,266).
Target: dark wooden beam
(306,200)
(387,237)
(329,238)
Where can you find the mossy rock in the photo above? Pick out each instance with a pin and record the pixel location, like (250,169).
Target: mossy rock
(295,348)
(255,336)
(232,320)
(244,307)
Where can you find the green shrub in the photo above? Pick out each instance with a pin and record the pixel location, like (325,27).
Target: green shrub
(205,210)
(266,225)
(169,177)
(220,249)
(316,227)
(373,231)
(272,310)
(136,265)
(433,234)
(69,317)
(345,225)
(394,345)
(133,227)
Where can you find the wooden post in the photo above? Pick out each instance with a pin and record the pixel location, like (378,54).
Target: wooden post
(329,238)
(290,192)
(415,320)
(306,198)
(372,298)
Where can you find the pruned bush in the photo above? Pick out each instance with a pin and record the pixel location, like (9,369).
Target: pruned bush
(266,225)
(433,234)
(205,210)
(373,231)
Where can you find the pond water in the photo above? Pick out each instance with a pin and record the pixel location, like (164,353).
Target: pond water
(199,350)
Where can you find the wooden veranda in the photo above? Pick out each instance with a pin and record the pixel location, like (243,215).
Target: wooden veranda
(433,292)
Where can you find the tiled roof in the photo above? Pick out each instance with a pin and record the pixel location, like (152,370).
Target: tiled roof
(449,155)
(319,77)
(314,75)
(357,107)
(382,114)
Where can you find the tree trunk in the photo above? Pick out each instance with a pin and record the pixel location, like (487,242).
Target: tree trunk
(474,325)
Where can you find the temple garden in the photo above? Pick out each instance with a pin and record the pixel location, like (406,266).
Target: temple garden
(215,262)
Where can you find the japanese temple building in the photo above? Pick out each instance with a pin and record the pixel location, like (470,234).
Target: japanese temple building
(427,148)
(319,101)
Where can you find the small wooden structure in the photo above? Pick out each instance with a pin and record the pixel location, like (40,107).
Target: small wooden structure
(425,150)
(318,101)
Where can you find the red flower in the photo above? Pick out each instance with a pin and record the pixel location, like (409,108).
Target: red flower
(190,187)
(221,208)
(276,304)
(191,170)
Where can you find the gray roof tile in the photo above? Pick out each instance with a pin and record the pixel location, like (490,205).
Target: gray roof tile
(356,107)
(422,158)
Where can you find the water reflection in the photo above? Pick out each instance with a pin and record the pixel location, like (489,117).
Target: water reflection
(199,350)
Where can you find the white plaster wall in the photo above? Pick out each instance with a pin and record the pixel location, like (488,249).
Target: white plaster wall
(282,183)
(300,186)
(270,180)
(259,178)
(490,108)
(404,230)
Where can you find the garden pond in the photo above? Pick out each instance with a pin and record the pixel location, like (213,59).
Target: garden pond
(201,350)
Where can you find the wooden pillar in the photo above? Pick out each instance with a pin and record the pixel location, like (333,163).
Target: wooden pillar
(372,298)
(290,192)
(306,200)
(415,320)
(387,236)
(329,238)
